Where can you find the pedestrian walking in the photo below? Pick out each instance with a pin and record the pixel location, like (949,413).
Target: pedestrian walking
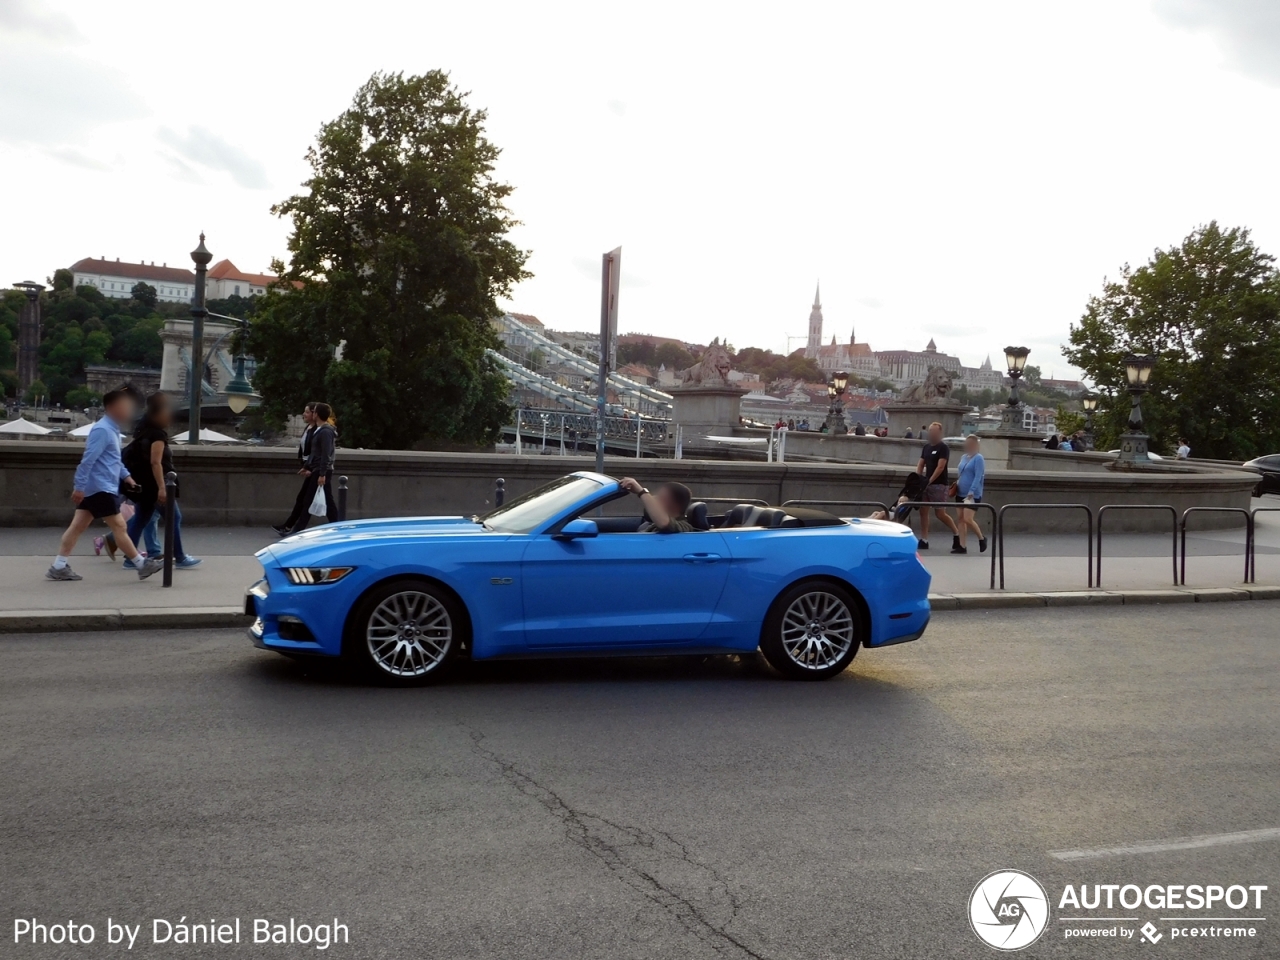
(1184,449)
(967,490)
(933,467)
(308,491)
(319,465)
(859,430)
(97,490)
(149,460)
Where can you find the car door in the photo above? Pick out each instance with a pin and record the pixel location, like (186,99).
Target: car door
(621,589)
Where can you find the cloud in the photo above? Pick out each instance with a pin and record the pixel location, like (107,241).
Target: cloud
(21,16)
(1248,31)
(207,149)
(78,158)
(51,96)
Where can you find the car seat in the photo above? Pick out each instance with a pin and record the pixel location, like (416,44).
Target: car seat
(697,516)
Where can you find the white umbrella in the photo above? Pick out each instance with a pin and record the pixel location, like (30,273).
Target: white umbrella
(25,427)
(206,436)
(84,431)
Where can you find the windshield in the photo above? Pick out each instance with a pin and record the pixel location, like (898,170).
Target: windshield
(528,513)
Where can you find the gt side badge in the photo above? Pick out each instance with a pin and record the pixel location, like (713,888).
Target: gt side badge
(501,581)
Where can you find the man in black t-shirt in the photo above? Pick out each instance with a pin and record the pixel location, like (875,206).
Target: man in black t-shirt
(933,467)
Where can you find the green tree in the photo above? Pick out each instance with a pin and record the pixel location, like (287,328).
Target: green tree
(1031,374)
(400,241)
(1209,309)
(145,294)
(36,391)
(80,397)
(62,279)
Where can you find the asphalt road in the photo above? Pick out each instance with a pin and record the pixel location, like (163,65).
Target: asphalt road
(643,808)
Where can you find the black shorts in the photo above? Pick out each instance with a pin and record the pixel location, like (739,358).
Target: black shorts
(960,500)
(100,504)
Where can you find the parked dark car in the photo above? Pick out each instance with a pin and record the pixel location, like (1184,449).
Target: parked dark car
(1269,467)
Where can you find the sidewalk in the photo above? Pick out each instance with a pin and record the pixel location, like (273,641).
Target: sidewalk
(1039,571)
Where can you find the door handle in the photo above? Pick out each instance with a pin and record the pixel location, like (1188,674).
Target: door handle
(701,557)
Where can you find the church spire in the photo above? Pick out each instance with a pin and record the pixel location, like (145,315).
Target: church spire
(817,295)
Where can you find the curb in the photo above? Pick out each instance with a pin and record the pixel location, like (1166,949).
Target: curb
(194,618)
(939,602)
(42,621)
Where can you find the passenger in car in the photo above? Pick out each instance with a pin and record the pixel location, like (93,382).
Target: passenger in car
(665,508)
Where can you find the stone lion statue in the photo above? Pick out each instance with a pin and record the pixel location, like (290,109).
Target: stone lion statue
(712,369)
(936,386)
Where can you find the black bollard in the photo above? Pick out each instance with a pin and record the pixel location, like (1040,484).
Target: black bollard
(499,492)
(342,498)
(170,500)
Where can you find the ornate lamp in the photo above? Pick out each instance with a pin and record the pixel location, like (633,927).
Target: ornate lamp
(1015,359)
(1137,371)
(1090,403)
(835,416)
(239,391)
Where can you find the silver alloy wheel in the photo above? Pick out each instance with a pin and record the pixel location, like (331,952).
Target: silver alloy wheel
(409,634)
(817,629)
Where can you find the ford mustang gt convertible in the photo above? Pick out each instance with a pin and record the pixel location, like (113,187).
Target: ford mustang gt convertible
(560,572)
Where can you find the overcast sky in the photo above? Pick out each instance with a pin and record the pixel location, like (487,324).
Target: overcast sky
(966,171)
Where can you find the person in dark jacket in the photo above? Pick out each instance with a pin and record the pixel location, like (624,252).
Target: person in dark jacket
(319,464)
(308,490)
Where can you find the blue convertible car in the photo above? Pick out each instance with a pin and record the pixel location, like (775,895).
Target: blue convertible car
(553,574)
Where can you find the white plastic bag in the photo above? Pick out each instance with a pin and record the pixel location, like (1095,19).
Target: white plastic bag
(318,508)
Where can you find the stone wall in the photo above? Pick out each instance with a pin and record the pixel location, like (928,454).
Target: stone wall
(256,486)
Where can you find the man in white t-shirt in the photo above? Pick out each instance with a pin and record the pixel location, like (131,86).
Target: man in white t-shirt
(1184,451)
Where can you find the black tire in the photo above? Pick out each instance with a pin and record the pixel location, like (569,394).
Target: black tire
(813,630)
(406,632)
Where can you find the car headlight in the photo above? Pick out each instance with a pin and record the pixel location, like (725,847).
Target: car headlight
(313,576)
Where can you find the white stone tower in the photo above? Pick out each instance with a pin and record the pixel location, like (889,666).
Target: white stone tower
(815,325)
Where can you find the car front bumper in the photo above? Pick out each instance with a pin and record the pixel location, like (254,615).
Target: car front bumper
(279,631)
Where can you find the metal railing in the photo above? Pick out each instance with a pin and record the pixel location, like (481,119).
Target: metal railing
(1253,551)
(1173,515)
(578,430)
(1248,534)
(1043,506)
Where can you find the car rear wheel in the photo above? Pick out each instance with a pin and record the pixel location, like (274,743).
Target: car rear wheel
(812,631)
(406,632)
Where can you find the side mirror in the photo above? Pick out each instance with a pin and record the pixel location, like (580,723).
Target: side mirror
(578,529)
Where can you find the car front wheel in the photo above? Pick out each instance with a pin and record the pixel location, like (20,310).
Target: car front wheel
(812,631)
(406,632)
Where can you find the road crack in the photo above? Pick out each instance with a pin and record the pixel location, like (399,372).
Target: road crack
(652,862)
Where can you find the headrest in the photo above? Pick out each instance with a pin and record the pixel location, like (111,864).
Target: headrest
(697,516)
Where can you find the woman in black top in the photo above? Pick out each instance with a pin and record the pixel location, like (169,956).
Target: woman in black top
(319,465)
(303,500)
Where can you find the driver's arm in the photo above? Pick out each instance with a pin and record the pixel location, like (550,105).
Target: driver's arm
(657,516)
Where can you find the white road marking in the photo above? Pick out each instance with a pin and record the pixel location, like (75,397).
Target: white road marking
(1178,843)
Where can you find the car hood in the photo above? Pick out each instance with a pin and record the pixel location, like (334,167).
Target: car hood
(350,533)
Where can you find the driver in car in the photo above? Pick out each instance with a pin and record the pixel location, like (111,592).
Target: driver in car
(665,508)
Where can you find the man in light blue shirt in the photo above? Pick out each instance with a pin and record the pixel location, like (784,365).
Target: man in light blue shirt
(97,486)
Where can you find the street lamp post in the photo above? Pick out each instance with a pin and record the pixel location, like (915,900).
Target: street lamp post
(1090,403)
(199,311)
(1133,443)
(1015,359)
(835,416)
